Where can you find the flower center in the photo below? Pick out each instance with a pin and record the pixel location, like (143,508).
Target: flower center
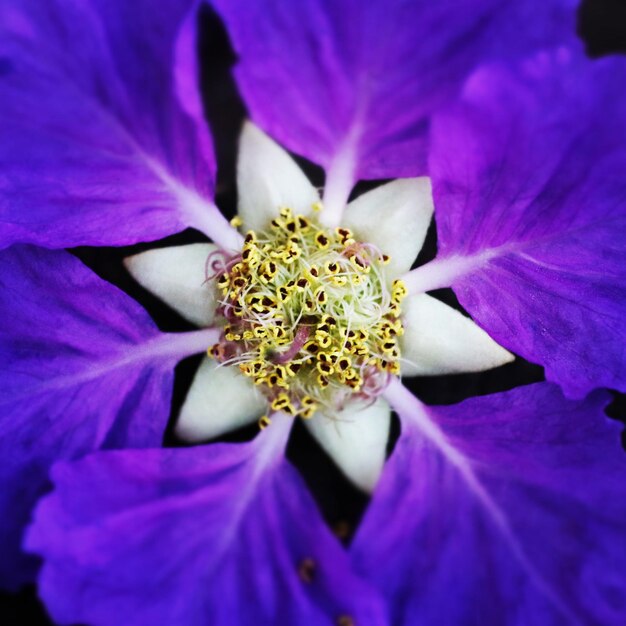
(308,314)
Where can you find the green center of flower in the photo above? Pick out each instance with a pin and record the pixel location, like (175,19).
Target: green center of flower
(309,316)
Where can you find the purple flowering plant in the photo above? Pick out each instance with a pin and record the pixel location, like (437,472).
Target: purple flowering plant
(507,508)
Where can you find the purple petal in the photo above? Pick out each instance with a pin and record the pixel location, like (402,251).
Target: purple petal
(218,535)
(83,367)
(103,141)
(530,199)
(350,84)
(506,509)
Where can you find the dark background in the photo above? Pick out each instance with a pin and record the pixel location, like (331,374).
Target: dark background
(602,25)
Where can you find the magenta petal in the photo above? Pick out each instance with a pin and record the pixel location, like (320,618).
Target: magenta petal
(350,84)
(510,511)
(79,372)
(103,141)
(530,200)
(218,535)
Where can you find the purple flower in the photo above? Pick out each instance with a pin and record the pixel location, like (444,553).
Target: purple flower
(504,509)
(352,88)
(93,151)
(99,99)
(85,368)
(530,214)
(223,396)
(507,508)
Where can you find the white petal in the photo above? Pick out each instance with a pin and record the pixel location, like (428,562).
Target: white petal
(356,441)
(268,179)
(220,400)
(395,217)
(176,275)
(439,340)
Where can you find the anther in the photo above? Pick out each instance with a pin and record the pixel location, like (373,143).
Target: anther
(344,233)
(320,295)
(329,320)
(322,240)
(331,267)
(313,272)
(342,530)
(312,347)
(281,402)
(323,381)
(306,570)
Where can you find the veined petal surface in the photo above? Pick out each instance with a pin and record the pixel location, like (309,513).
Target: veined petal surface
(103,141)
(350,84)
(530,203)
(216,535)
(83,367)
(505,509)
